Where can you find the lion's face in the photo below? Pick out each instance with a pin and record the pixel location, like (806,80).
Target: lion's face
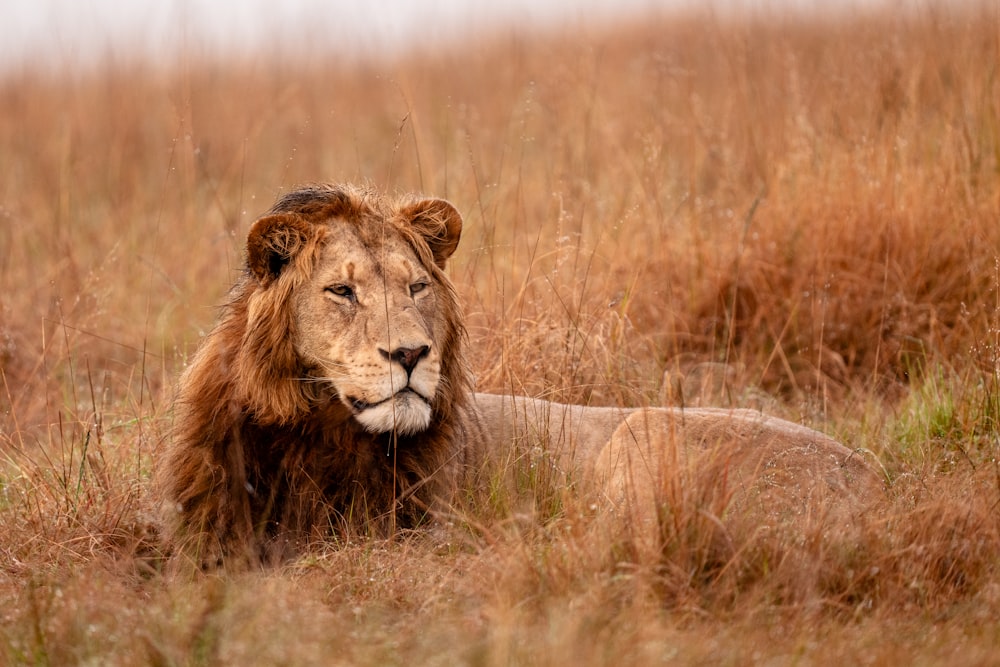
(366,319)
(370,314)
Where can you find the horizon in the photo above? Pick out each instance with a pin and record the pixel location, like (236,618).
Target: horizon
(65,35)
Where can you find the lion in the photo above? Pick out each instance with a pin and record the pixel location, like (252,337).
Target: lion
(335,392)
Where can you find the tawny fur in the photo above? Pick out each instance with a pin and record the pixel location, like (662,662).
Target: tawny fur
(268,454)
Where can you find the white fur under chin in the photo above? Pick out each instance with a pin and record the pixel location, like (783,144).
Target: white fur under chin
(406,414)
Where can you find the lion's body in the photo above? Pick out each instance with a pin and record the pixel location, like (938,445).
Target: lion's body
(334,392)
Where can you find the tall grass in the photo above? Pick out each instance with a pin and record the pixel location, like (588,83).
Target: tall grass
(810,207)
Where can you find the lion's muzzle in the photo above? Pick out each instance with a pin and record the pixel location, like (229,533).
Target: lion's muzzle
(406,412)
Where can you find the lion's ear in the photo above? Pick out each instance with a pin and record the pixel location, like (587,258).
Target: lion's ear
(439,223)
(272,243)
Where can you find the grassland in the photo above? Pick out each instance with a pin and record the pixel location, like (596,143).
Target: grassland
(811,207)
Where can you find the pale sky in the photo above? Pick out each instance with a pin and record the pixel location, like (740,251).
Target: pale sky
(67,33)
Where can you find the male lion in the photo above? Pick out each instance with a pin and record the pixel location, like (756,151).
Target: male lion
(334,391)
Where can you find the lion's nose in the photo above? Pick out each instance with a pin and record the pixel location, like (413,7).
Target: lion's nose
(407,357)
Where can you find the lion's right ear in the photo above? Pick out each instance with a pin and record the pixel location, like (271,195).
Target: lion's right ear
(272,243)
(439,222)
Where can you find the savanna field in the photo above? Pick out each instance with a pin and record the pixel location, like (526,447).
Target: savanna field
(792,215)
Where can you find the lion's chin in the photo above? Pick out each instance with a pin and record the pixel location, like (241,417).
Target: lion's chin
(406,413)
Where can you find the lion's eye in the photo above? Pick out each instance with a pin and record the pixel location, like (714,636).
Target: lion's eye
(343,291)
(417,288)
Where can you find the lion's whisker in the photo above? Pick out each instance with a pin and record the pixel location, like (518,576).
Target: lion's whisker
(315,379)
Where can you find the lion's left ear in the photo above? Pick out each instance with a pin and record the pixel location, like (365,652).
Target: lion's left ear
(439,223)
(272,243)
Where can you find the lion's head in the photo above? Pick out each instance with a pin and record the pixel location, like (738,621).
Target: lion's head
(348,299)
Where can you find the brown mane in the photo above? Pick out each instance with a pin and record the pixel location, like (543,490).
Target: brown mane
(263,456)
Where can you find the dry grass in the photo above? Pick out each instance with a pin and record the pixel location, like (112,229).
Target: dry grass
(814,205)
